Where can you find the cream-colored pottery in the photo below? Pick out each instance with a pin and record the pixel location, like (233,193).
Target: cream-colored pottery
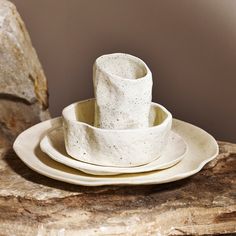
(53,145)
(202,148)
(123,92)
(123,148)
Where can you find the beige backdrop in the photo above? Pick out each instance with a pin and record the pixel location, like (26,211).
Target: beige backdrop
(190,46)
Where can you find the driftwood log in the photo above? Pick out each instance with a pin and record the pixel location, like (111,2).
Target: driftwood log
(205,204)
(31,204)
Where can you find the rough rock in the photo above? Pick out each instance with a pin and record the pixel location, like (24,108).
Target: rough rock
(23,86)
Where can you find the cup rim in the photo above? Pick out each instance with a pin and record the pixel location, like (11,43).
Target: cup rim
(163,123)
(145,77)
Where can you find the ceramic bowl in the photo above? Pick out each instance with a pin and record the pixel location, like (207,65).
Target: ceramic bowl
(123,148)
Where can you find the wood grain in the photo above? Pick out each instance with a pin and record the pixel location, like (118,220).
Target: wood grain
(204,204)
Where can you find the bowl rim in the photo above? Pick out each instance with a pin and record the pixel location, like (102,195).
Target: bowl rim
(167,120)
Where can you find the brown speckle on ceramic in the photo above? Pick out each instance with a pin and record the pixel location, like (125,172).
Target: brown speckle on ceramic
(123,92)
(124,148)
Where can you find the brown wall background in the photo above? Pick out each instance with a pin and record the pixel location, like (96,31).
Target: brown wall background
(190,46)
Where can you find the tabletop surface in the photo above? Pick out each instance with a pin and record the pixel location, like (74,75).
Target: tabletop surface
(204,204)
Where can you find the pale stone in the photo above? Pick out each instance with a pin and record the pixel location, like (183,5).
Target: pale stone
(23,86)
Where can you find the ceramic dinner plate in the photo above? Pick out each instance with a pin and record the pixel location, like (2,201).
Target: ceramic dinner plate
(53,145)
(202,148)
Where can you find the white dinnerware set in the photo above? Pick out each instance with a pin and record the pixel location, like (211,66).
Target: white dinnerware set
(118,137)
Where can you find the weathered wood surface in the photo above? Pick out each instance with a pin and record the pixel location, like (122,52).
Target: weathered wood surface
(204,204)
(23,86)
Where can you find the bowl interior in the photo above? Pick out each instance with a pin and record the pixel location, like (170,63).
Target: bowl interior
(122,65)
(84,111)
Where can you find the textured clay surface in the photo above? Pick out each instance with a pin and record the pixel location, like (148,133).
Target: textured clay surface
(122,148)
(123,92)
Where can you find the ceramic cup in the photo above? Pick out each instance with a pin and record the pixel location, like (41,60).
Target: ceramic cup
(123,92)
(123,148)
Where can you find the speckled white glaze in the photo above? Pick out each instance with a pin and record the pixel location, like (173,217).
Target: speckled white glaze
(124,148)
(54,146)
(123,92)
(202,148)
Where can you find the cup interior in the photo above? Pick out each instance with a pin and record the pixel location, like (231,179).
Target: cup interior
(122,65)
(84,112)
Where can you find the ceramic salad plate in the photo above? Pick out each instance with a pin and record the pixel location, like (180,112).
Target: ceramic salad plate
(53,145)
(201,148)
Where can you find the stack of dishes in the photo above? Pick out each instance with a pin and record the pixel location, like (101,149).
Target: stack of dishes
(120,137)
